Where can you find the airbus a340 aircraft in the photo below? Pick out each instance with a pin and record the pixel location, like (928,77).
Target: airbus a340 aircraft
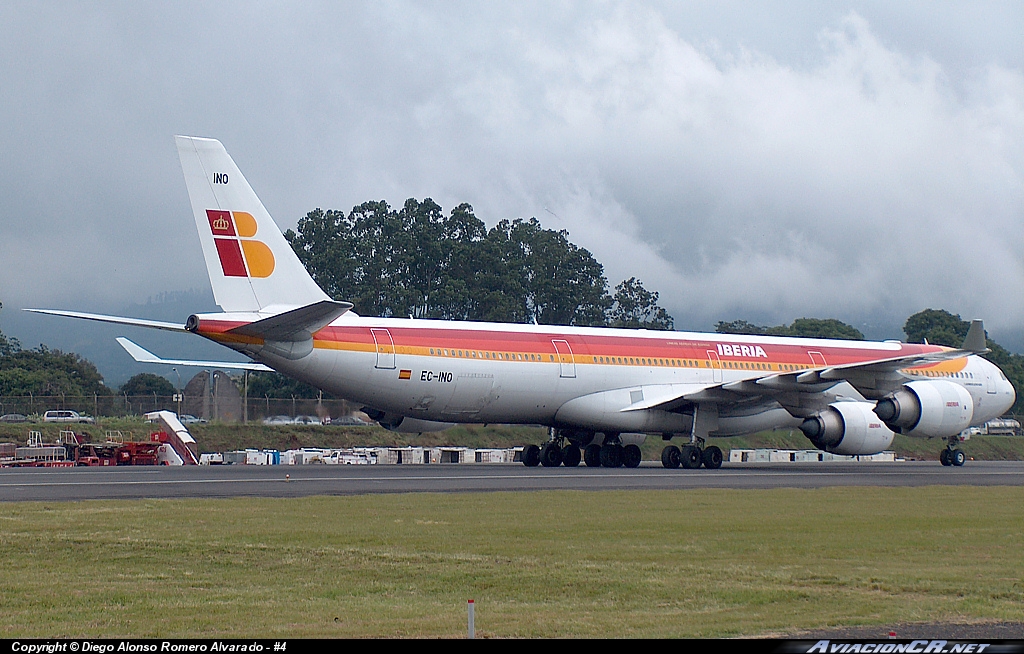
(601,390)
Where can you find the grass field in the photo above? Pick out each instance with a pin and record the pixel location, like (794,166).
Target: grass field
(608,564)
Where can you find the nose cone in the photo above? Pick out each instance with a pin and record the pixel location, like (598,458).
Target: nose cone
(1011,395)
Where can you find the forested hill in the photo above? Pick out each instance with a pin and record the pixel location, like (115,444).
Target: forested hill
(42,371)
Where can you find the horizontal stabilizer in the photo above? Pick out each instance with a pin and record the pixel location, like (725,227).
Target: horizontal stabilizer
(142,355)
(295,325)
(135,322)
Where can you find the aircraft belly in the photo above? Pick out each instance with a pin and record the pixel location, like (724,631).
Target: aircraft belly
(774,418)
(314,368)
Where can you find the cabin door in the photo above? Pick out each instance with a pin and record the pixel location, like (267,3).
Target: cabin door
(385,349)
(566,362)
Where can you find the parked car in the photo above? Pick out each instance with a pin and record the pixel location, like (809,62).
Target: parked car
(13,417)
(308,420)
(350,421)
(278,420)
(66,416)
(187,419)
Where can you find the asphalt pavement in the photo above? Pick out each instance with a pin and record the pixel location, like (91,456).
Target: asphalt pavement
(128,482)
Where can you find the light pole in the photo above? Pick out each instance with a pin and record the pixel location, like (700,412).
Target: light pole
(177,395)
(245,397)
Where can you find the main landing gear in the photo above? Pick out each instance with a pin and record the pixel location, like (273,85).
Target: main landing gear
(564,449)
(695,455)
(692,457)
(952,455)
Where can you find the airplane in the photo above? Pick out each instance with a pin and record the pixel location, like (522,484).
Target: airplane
(601,391)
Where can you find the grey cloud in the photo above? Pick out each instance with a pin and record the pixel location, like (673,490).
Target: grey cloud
(765,161)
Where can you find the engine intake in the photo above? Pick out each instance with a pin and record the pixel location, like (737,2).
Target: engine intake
(847,428)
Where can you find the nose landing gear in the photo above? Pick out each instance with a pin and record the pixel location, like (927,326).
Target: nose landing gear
(952,455)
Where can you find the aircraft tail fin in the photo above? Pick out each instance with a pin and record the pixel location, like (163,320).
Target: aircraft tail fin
(975,339)
(251,265)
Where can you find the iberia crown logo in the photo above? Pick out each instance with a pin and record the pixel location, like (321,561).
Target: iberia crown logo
(240,254)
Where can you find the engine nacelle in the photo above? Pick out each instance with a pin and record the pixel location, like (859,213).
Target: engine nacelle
(927,408)
(414,425)
(402,424)
(848,428)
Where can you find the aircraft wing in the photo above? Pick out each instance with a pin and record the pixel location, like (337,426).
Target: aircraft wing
(873,379)
(119,320)
(142,355)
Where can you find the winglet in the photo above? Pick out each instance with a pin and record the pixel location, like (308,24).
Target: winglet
(137,352)
(975,339)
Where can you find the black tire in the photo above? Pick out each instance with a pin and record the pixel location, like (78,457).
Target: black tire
(944,457)
(531,456)
(691,457)
(611,456)
(631,456)
(592,456)
(550,456)
(957,458)
(671,457)
(571,456)
(712,457)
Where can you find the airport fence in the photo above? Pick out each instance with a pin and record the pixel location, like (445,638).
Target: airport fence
(213,409)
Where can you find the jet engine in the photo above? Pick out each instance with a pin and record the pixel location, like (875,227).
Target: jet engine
(847,428)
(403,425)
(927,408)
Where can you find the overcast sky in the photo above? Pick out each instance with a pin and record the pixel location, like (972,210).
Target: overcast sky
(765,161)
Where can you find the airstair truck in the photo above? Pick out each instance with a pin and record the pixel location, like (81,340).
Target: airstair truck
(179,448)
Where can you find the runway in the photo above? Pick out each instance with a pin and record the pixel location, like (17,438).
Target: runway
(69,484)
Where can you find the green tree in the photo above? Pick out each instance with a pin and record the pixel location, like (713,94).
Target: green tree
(936,326)
(393,263)
(803,327)
(636,307)
(146,383)
(8,345)
(274,385)
(562,283)
(417,261)
(42,371)
(742,327)
(827,328)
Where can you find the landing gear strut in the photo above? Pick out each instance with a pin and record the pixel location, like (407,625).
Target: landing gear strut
(695,455)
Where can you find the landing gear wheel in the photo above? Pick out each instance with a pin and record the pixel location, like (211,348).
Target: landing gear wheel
(944,457)
(531,456)
(957,457)
(550,456)
(631,456)
(691,457)
(570,456)
(671,457)
(712,457)
(611,456)
(592,456)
